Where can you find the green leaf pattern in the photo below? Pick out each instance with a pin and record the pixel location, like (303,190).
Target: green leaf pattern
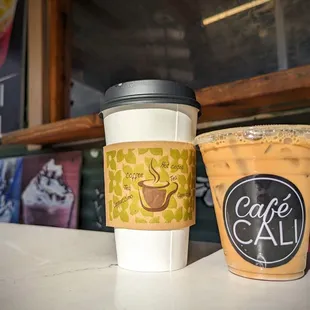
(123,200)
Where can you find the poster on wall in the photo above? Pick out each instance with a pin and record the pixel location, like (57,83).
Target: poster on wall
(50,189)
(92,209)
(206,228)
(10,189)
(12,64)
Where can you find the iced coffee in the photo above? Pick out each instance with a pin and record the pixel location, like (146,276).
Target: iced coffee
(260,181)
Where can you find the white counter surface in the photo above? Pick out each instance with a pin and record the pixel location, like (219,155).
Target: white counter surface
(51,268)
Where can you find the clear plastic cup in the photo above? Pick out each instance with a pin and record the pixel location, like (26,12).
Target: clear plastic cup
(260,181)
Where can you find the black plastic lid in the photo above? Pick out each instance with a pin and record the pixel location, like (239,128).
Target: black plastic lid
(149,91)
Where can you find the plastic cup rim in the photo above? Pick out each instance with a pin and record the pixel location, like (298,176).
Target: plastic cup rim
(258,132)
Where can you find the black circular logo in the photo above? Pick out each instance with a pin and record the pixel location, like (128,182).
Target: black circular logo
(264,217)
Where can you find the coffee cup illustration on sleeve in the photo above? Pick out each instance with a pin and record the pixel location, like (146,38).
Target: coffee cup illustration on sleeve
(155,195)
(260,182)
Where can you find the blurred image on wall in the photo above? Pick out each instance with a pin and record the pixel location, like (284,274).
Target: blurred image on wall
(10,189)
(51,189)
(92,210)
(13,26)
(7,13)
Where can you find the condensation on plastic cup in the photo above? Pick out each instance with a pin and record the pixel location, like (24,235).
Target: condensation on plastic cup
(253,133)
(147,250)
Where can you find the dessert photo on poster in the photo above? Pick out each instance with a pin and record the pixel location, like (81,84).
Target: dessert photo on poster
(50,189)
(10,189)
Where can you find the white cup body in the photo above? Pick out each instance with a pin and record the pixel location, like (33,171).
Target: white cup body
(148,250)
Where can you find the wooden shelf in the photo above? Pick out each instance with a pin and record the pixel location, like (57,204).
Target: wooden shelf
(279,91)
(73,129)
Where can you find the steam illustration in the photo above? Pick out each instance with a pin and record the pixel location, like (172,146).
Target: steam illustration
(155,196)
(154,173)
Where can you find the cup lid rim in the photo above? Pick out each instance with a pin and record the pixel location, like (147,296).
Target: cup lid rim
(149,91)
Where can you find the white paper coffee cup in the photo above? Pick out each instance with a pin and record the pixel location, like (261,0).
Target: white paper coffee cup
(150,110)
